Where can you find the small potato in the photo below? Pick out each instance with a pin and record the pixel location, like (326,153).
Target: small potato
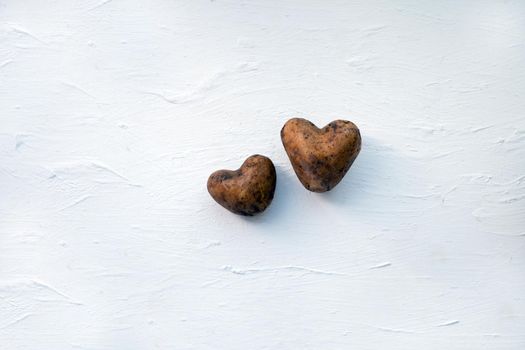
(321,157)
(246,191)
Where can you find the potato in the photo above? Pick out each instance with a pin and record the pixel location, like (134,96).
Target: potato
(321,157)
(246,191)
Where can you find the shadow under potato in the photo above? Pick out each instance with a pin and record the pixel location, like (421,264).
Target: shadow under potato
(376,182)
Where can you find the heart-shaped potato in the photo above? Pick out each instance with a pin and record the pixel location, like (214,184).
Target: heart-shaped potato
(246,191)
(321,157)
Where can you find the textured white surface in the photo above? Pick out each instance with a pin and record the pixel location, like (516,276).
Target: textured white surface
(113,114)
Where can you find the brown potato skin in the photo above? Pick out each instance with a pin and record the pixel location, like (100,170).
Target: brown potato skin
(321,157)
(246,191)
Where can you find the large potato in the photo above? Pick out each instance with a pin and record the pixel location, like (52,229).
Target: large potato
(246,191)
(321,157)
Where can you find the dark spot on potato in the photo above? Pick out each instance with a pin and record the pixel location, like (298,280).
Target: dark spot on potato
(224,176)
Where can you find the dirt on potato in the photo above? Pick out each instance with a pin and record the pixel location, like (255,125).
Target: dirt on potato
(246,191)
(321,157)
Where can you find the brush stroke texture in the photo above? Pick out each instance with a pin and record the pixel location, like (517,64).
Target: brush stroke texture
(113,114)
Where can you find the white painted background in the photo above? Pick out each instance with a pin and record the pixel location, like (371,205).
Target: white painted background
(114,113)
